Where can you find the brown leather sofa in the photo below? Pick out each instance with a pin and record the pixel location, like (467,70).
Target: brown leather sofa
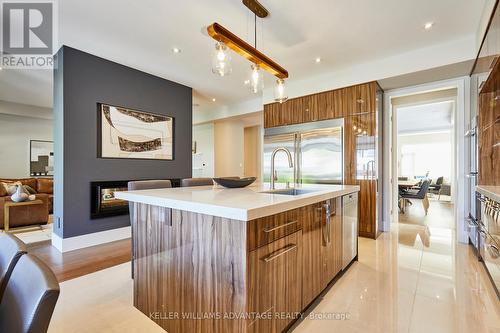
(29,215)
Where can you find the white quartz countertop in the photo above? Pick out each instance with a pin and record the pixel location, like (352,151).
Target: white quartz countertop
(243,204)
(492,192)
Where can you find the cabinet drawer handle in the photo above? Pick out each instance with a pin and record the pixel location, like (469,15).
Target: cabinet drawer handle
(279,253)
(280,226)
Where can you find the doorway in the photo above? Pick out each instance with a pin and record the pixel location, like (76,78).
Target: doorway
(425,158)
(252,138)
(426,124)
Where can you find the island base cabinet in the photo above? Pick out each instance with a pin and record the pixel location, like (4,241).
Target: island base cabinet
(332,243)
(201,273)
(275,284)
(189,270)
(312,240)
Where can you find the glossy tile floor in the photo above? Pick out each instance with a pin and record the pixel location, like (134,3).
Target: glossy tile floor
(411,288)
(395,287)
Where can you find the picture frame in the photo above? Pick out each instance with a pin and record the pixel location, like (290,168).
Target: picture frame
(126,133)
(41,158)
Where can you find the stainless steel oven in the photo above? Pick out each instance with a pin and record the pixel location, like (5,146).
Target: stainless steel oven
(489,238)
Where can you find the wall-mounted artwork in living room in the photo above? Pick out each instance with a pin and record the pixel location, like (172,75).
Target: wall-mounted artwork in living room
(41,158)
(132,134)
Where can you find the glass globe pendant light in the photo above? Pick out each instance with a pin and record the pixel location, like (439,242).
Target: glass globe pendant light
(280,94)
(256,79)
(221,60)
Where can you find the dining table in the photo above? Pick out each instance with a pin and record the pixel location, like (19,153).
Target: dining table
(406,184)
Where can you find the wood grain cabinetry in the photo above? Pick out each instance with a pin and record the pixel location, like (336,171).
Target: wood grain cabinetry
(488,128)
(267,229)
(275,283)
(331,104)
(367,225)
(360,99)
(489,135)
(358,105)
(332,243)
(312,239)
(190,266)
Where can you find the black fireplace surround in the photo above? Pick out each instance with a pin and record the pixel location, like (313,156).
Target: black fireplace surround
(103,202)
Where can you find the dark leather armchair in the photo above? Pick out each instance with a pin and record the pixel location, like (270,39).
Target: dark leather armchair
(186,182)
(30,297)
(11,249)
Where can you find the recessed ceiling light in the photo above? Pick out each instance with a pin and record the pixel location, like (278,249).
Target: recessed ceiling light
(246,82)
(176,50)
(318,60)
(213,99)
(428,25)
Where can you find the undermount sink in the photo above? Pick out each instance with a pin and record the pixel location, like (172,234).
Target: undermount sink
(289,191)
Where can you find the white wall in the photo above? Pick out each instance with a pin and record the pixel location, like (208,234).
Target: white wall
(15,135)
(230,144)
(203,160)
(229,148)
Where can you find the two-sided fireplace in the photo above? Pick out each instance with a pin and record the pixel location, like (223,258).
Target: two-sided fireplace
(103,201)
(102,198)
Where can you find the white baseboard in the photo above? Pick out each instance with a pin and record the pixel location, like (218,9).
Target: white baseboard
(80,242)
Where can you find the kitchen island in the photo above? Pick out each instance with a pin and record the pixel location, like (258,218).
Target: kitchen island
(211,259)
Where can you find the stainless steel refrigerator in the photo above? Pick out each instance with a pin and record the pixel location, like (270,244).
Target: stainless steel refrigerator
(316,148)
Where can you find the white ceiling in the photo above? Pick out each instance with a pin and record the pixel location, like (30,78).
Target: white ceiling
(423,118)
(141,34)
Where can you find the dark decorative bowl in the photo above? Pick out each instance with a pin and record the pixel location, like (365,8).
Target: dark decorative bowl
(233,182)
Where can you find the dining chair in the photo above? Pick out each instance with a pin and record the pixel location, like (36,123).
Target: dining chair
(142,185)
(30,297)
(187,182)
(11,249)
(436,188)
(421,194)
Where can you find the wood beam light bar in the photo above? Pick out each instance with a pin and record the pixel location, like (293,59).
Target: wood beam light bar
(256,8)
(238,45)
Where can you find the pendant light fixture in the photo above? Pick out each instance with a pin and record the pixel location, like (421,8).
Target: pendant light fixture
(221,60)
(256,79)
(280,94)
(227,40)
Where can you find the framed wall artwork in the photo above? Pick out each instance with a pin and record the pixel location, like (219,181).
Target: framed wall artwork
(41,158)
(132,134)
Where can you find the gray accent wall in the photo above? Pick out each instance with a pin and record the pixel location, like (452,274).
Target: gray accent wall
(81,81)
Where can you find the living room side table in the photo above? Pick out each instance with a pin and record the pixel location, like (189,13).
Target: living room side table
(9,204)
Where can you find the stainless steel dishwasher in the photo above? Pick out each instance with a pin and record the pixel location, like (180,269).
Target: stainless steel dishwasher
(349,228)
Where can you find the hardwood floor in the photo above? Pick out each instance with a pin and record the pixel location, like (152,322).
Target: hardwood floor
(73,264)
